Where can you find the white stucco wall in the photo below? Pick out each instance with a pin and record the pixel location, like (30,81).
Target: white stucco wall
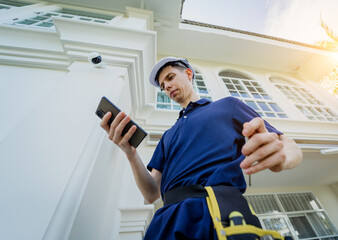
(28,143)
(49,123)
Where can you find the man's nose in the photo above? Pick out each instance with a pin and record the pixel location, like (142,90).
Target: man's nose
(167,86)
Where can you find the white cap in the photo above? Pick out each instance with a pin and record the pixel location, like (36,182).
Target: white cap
(164,61)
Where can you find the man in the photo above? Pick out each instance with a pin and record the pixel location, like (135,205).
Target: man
(205,147)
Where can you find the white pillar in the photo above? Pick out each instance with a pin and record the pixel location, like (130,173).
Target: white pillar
(85,87)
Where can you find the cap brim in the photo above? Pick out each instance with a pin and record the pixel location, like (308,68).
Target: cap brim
(158,66)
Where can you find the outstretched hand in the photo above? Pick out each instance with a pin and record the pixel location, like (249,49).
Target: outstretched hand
(115,131)
(263,150)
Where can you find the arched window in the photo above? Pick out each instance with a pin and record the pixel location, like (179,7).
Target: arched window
(252,93)
(309,105)
(164,102)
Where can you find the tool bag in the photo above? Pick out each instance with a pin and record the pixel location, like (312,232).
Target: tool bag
(234,218)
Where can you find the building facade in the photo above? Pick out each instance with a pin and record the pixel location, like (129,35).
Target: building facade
(60,176)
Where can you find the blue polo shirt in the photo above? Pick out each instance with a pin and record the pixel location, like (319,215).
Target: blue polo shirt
(203,147)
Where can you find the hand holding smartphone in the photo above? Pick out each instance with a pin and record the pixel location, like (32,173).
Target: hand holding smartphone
(107,106)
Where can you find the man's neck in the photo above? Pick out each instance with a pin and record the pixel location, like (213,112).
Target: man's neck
(193,98)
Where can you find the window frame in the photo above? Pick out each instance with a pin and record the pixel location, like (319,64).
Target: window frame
(283,213)
(251,100)
(13,4)
(172,104)
(57,12)
(312,108)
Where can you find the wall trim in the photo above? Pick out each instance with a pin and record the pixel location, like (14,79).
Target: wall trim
(135,219)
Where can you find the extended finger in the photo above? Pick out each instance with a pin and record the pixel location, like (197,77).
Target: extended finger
(117,120)
(258,140)
(273,162)
(262,153)
(255,125)
(115,123)
(118,130)
(127,136)
(104,121)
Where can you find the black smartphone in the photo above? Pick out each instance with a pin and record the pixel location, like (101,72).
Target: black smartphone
(107,106)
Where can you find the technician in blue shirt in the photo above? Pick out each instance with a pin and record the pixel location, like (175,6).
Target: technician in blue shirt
(205,147)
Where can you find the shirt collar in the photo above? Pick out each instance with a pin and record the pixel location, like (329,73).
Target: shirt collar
(193,105)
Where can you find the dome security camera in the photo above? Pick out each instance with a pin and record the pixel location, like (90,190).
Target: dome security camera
(96,59)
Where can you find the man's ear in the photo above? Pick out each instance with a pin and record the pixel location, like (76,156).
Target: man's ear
(188,71)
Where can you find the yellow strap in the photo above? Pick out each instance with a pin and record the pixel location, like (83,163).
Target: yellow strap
(238,229)
(252,210)
(241,229)
(215,213)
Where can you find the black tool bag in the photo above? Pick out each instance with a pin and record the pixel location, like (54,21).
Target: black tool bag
(233,217)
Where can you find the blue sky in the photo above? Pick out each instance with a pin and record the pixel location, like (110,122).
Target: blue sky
(297,20)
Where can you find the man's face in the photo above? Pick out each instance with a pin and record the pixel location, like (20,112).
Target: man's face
(176,82)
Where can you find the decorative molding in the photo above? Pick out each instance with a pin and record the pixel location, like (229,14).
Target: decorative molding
(306,129)
(131,48)
(16,56)
(135,220)
(67,210)
(134,50)
(143,14)
(75,39)
(29,52)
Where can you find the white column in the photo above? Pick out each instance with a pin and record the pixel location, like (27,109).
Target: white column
(85,88)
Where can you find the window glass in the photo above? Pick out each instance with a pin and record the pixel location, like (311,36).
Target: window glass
(263,204)
(278,224)
(8,4)
(305,102)
(303,227)
(299,215)
(44,20)
(252,93)
(199,87)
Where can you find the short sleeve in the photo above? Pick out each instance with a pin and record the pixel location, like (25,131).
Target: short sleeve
(243,113)
(157,160)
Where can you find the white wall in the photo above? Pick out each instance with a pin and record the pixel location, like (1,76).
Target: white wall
(50,128)
(21,90)
(26,172)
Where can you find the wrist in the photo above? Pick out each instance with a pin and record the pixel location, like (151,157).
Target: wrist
(131,156)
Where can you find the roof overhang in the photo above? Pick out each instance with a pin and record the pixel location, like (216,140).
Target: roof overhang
(222,46)
(216,44)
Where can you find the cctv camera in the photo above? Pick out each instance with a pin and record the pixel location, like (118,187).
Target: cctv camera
(96,59)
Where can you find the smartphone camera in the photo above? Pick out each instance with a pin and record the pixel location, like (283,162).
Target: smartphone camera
(100,113)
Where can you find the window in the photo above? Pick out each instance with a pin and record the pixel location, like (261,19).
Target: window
(164,102)
(250,92)
(299,215)
(44,20)
(305,102)
(200,87)
(8,4)
(39,21)
(4,6)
